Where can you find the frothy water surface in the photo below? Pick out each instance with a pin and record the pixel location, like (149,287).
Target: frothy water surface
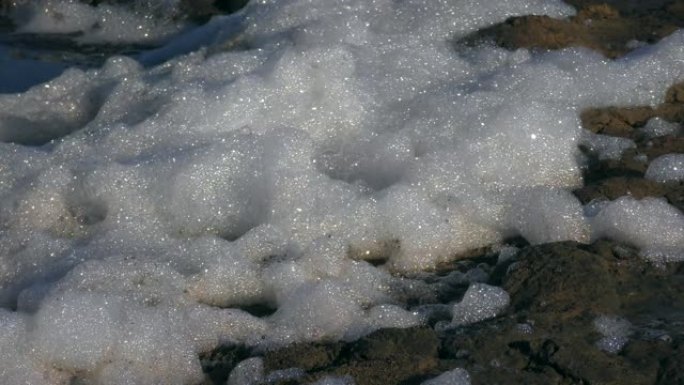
(142,208)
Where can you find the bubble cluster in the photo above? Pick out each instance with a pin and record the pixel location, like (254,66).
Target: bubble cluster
(666,168)
(615,332)
(452,377)
(141,21)
(300,163)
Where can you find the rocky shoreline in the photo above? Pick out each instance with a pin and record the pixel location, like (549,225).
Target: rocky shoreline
(549,335)
(579,314)
(562,294)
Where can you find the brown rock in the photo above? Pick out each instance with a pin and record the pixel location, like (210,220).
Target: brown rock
(616,121)
(551,279)
(616,187)
(608,27)
(388,356)
(305,356)
(675,94)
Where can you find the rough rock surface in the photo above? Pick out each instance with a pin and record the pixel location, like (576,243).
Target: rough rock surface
(547,336)
(613,178)
(610,27)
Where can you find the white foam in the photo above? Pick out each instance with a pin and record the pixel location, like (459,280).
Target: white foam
(284,375)
(506,253)
(247,372)
(666,168)
(265,174)
(333,380)
(615,331)
(456,376)
(659,127)
(480,302)
(139,22)
(607,147)
(650,224)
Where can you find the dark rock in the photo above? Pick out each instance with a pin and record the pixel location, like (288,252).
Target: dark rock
(662,145)
(552,280)
(614,187)
(218,363)
(390,343)
(306,356)
(615,121)
(613,178)
(557,290)
(389,356)
(547,336)
(672,372)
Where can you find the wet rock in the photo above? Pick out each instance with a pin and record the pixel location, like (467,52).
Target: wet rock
(672,372)
(614,187)
(663,145)
(557,291)
(420,343)
(551,280)
(615,121)
(548,335)
(609,27)
(675,94)
(613,178)
(218,363)
(389,356)
(571,281)
(306,356)
(624,121)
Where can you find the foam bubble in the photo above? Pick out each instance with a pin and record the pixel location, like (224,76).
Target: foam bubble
(666,168)
(335,380)
(659,127)
(480,302)
(113,23)
(607,147)
(300,163)
(247,372)
(650,224)
(456,376)
(615,331)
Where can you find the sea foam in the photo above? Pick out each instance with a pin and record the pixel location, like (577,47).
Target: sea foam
(140,21)
(145,209)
